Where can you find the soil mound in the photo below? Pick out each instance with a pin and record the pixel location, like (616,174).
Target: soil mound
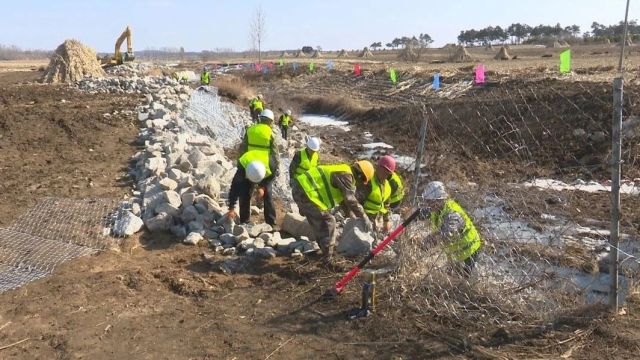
(503,54)
(72,61)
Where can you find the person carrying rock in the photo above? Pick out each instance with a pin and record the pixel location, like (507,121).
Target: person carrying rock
(376,193)
(285,120)
(450,222)
(256,106)
(323,188)
(305,158)
(205,78)
(254,169)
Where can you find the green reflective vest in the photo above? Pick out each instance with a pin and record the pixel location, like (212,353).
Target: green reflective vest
(262,156)
(285,120)
(379,194)
(397,189)
(306,163)
(204,78)
(259,137)
(256,104)
(316,183)
(468,243)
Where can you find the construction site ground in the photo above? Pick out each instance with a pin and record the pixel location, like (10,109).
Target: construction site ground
(153,298)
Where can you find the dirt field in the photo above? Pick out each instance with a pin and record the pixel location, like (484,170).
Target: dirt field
(155,299)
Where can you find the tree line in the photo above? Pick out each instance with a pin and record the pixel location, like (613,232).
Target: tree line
(522,33)
(12,52)
(420,41)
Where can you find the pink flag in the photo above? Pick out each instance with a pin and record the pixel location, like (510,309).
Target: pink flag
(480,74)
(357,71)
(270,65)
(258,67)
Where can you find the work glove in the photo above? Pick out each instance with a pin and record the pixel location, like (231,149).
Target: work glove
(231,214)
(368,225)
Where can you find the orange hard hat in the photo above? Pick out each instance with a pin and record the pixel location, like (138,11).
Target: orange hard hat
(367,169)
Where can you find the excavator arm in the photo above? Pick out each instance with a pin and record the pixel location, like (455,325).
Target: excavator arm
(117,58)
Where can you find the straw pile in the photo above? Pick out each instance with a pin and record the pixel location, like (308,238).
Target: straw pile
(71,62)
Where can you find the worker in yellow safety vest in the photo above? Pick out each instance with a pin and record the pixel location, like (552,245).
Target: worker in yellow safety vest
(324,188)
(397,190)
(285,120)
(450,221)
(254,170)
(305,159)
(375,195)
(259,137)
(205,77)
(256,105)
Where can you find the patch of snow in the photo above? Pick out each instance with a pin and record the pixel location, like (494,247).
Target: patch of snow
(323,120)
(591,186)
(377,145)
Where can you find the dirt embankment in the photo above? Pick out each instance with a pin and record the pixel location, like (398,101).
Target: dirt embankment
(55,141)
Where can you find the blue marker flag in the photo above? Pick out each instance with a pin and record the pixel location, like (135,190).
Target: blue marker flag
(330,65)
(436,81)
(295,66)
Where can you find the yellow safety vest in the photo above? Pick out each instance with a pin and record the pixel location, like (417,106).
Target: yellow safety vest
(256,104)
(285,120)
(397,189)
(258,155)
(316,183)
(306,163)
(259,137)
(204,78)
(469,242)
(379,194)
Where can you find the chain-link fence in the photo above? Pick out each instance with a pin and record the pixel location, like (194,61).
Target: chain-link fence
(530,163)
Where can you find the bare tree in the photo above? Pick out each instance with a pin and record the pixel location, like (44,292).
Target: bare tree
(257,28)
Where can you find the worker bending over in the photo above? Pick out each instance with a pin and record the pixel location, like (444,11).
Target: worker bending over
(256,106)
(305,158)
(376,193)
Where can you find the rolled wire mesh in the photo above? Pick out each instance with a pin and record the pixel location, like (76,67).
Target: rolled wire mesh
(53,232)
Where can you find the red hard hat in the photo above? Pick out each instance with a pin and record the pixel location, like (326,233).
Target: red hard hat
(387,162)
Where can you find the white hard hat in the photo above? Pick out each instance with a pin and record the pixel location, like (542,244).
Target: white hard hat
(260,96)
(313,143)
(435,191)
(288,112)
(256,171)
(267,113)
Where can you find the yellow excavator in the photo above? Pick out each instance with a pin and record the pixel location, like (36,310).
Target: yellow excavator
(118,57)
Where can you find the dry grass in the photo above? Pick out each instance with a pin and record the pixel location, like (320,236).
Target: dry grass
(331,105)
(233,88)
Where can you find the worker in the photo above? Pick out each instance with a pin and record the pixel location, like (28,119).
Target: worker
(397,190)
(285,120)
(205,77)
(305,158)
(377,192)
(325,187)
(450,221)
(254,169)
(260,136)
(256,105)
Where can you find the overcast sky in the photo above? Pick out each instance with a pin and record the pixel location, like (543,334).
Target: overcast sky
(350,24)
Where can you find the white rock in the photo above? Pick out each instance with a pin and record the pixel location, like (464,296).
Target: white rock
(210,186)
(284,243)
(227,239)
(229,251)
(175,174)
(167,208)
(143,116)
(135,209)
(255,210)
(160,222)
(128,224)
(354,240)
(172,198)
(258,229)
(189,214)
(297,225)
(155,165)
(168,184)
(193,238)
(258,243)
(188,198)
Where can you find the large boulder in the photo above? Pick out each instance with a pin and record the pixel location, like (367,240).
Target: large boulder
(355,241)
(297,225)
(127,225)
(160,222)
(193,238)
